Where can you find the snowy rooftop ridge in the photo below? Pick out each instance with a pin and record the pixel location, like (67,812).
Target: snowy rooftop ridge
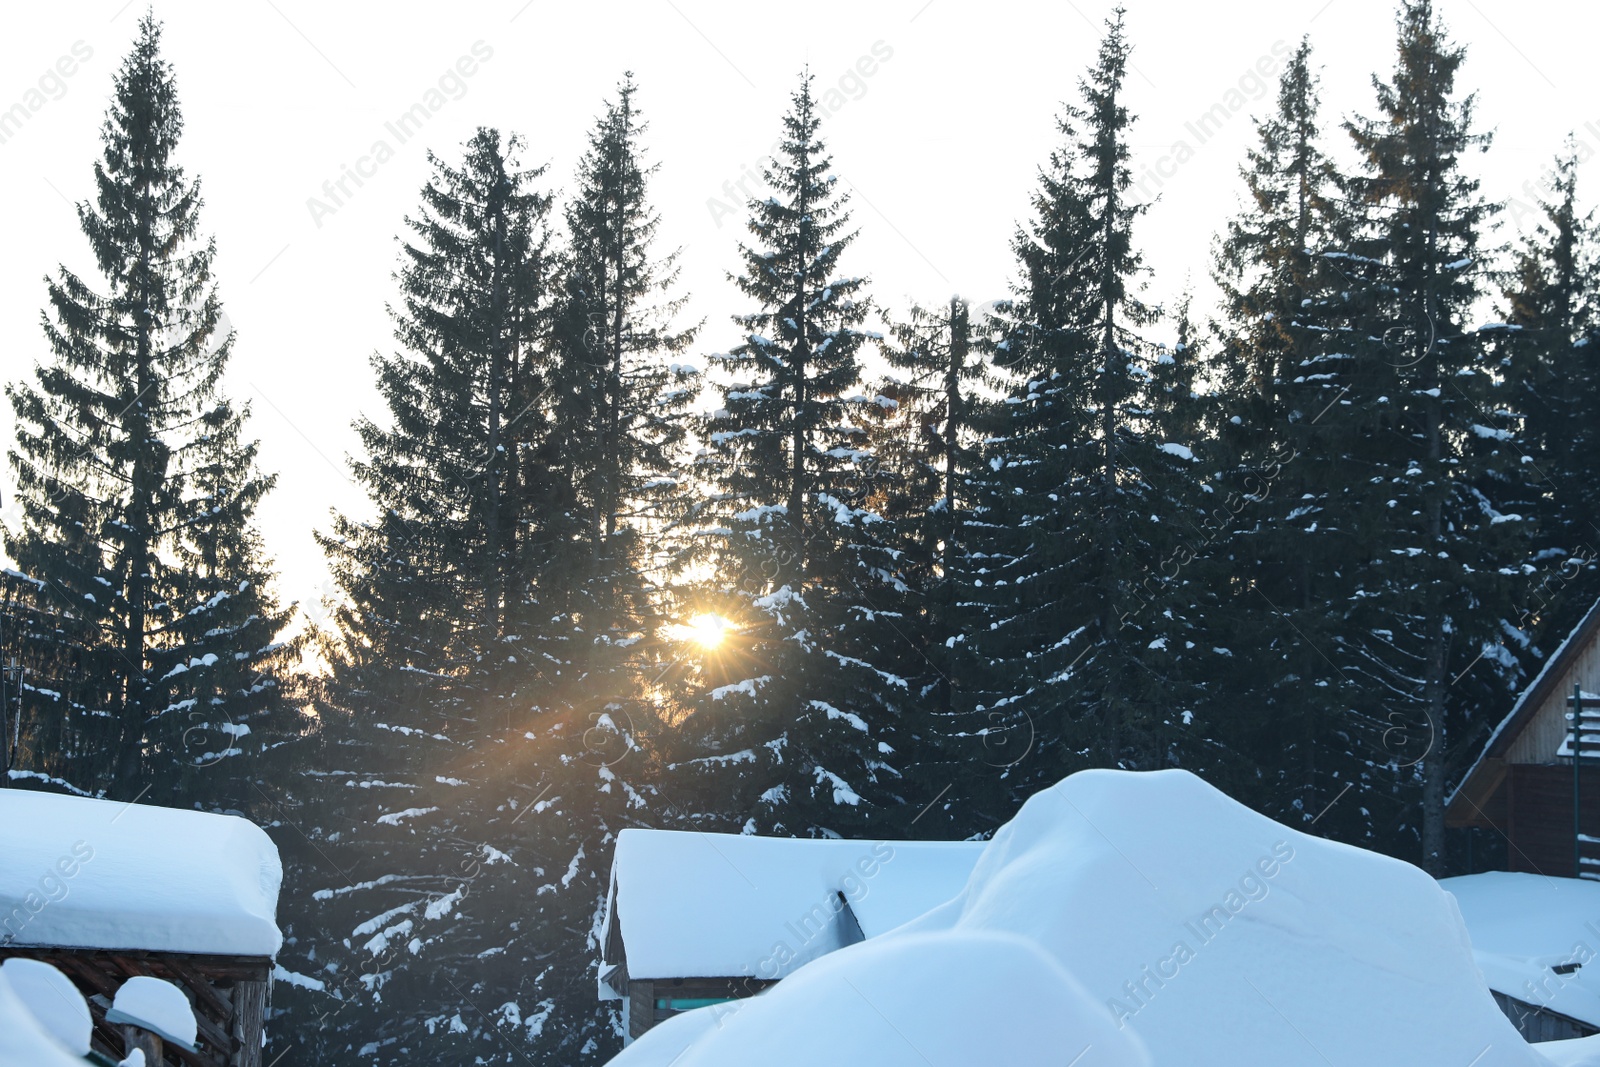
(83,873)
(730,905)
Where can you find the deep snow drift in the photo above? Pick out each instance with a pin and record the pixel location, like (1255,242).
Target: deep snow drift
(1118,909)
(24,1040)
(102,874)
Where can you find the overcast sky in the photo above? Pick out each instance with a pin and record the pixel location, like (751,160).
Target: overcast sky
(943,112)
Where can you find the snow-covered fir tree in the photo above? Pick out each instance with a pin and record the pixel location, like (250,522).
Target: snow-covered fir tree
(1079,511)
(490,701)
(1553,374)
(446,642)
(622,391)
(794,722)
(1294,438)
(139,487)
(1435,588)
(929,446)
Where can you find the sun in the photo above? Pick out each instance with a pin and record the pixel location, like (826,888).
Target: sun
(707,631)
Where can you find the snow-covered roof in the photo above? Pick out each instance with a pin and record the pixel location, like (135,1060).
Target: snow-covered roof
(720,905)
(83,873)
(1524,926)
(1129,919)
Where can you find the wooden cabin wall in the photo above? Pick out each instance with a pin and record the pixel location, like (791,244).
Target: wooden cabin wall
(1538,819)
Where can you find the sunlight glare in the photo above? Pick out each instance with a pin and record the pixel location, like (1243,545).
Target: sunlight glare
(707,631)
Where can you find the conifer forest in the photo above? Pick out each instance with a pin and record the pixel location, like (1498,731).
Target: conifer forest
(826,562)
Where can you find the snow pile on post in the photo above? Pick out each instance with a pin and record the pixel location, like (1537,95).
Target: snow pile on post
(1186,922)
(81,873)
(1528,931)
(731,905)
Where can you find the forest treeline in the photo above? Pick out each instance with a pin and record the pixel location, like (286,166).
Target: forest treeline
(831,569)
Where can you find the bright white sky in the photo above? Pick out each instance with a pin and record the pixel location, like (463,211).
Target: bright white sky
(941,145)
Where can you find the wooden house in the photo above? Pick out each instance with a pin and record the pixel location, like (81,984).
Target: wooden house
(106,891)
(1527,784)
(695,919)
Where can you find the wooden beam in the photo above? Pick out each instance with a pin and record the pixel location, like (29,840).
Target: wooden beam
(105,1038)
(1467,807)
(203,990)
(135,1037)
(203,1058)
(215,968)
(86,973)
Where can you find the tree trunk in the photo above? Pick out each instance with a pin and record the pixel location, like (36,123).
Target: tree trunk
(493,587)
(797,449)
(1433,763)
(142,479)
(613,455)
(954,414)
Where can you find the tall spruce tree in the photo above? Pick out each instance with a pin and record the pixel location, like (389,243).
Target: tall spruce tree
(622,394)
(499,619)
(794,720)
(1292,436)
(1548,309)
(1079,508)
(139,487)
(929,445)
(623,399)
(1432,593)
(448,643)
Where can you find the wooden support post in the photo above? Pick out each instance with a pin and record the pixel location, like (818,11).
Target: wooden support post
(641,1006)
(136,1037)
(249,1018)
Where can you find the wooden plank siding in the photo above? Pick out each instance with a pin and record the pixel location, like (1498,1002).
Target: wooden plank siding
(641,1006)
(1547,728)
(1538,816)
